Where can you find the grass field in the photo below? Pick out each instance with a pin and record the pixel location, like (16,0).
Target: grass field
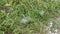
(27,16)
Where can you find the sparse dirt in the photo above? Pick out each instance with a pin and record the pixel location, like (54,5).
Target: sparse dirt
(55,28)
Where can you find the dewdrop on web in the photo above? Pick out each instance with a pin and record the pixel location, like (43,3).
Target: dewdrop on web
(26,19)
(42,12)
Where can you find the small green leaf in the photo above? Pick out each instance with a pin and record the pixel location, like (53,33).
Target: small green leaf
(1,32)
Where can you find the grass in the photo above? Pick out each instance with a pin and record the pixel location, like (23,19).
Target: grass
(26,16)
